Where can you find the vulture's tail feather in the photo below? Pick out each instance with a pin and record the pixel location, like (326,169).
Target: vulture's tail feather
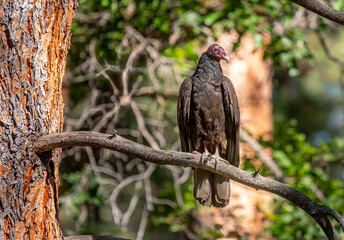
(202,186)
(221,191)
(211,189)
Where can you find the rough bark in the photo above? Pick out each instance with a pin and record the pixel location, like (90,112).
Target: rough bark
(34,39)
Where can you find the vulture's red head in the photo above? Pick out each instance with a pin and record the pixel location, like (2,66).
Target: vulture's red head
(217,52)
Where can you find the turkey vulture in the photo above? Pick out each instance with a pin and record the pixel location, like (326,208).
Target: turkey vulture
(208,120)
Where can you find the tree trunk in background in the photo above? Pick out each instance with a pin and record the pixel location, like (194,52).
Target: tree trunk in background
(34,39)
(251,75)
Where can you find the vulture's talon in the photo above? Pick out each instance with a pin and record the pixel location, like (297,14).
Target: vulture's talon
(217,158)
(205,157)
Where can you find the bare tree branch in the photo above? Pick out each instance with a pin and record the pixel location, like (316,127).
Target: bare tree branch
(326,49)
(132,206)
(318,212)
(322,10)
(143,224)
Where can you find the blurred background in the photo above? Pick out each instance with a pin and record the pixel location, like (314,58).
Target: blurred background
(126,62)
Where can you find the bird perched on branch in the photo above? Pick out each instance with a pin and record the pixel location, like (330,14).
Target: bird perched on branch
(208,120)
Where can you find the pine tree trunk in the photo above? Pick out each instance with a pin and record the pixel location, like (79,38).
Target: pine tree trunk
(34,40)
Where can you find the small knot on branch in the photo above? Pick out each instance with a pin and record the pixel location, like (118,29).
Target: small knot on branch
(256,172)
(114,134)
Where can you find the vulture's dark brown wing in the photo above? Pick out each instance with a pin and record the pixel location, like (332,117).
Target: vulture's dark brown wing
(183,114)
(231,107)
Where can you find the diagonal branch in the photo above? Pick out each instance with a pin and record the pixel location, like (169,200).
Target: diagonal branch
(318,212)
(322,10)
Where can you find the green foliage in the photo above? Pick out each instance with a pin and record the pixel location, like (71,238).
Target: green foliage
(85,195)
(176,218)
(338,5)
(195,19)
(85,190)
(307,169)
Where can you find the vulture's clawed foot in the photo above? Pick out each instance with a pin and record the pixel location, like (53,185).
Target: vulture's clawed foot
(217,158)
(206,156)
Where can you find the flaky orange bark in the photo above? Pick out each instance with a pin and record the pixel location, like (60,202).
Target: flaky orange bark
(34,40)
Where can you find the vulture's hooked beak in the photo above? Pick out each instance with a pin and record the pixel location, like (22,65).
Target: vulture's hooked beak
(226,58)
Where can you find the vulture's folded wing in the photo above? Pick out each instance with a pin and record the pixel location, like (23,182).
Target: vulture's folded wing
(183,114)
(231,107)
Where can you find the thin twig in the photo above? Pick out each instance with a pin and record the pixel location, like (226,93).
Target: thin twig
(142,126)
(92,49)
(132,206)
(130,63)
(143,224)
(117,213)
(148,188)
